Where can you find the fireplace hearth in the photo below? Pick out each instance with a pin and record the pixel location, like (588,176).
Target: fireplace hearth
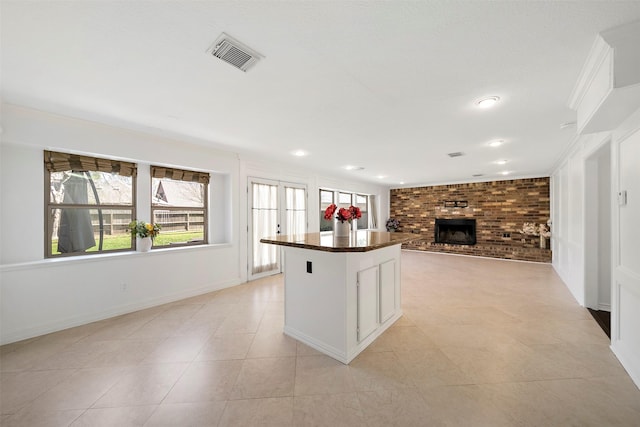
(455,231)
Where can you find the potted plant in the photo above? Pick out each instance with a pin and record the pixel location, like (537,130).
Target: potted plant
(145,232)
(542,230)
(392,225)
(345,216)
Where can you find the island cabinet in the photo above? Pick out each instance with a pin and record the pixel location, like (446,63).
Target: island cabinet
(341,293)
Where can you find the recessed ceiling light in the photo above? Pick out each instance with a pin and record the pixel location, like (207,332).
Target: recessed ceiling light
(299,153)
(500,162)
(505,173)
(488,102)
(381,176)
(496,143)
(401,182)
(353,168)
(456,154)
(476,175)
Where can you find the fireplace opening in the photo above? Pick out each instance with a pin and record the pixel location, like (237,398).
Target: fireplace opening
(455,231)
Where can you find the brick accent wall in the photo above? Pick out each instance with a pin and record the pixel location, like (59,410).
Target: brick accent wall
(500,208)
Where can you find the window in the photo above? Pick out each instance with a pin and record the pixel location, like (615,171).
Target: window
(89,203)
(344,200)
(179,205)
(326,198)
(361,202)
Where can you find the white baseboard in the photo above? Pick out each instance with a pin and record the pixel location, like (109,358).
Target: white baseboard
(335,353)
(73,321)
(628,361)
(316,345)
(604,307)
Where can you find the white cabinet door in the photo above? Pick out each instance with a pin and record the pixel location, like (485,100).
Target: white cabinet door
(387,290)
(367,302)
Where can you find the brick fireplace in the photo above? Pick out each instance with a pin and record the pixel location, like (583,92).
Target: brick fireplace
(455,231)
(499,210)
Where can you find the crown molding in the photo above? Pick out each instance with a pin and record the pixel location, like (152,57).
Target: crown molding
(597,55)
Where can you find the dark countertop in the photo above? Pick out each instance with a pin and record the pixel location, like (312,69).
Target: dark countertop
(358,241)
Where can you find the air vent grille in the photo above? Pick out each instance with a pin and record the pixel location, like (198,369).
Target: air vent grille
(234,53)
(456,154)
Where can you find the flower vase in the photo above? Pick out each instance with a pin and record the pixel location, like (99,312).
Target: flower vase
(144,244)
(341,229)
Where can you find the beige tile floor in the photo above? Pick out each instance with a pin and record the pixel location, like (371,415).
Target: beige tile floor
(481,343)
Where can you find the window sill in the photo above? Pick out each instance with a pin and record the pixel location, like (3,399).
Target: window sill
(50,262)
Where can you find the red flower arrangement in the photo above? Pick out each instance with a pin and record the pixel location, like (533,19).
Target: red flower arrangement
(344,214)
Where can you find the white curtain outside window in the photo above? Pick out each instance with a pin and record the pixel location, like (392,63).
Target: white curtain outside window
(265,223)
(296,210)
(373,212)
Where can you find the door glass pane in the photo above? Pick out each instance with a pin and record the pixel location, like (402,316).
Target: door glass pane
(264,212)
(296,210)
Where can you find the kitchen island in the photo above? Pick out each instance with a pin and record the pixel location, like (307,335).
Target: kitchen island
(341,293)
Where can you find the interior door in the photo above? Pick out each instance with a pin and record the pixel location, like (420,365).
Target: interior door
(625,316)
(275,208)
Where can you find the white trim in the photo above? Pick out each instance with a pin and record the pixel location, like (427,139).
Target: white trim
(475,256)
(333,352)
(493,178)
(596,57)
(604,307)
(74,321)
(621,353)
(315,344)
(82,259)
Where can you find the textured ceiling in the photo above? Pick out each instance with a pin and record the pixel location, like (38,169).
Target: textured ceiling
(389,86)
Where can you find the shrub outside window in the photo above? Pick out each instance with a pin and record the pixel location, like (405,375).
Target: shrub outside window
(179,206)
(89,203)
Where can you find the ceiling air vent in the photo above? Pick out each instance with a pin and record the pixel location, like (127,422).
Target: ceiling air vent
(233,52)
(456,154)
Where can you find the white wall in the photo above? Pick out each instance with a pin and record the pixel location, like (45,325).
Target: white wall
(575,250)
(568,188)
(40,295)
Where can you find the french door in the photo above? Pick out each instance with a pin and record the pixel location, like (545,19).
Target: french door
(275,207)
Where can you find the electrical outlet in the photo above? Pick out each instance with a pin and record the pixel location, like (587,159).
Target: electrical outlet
(123,287)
